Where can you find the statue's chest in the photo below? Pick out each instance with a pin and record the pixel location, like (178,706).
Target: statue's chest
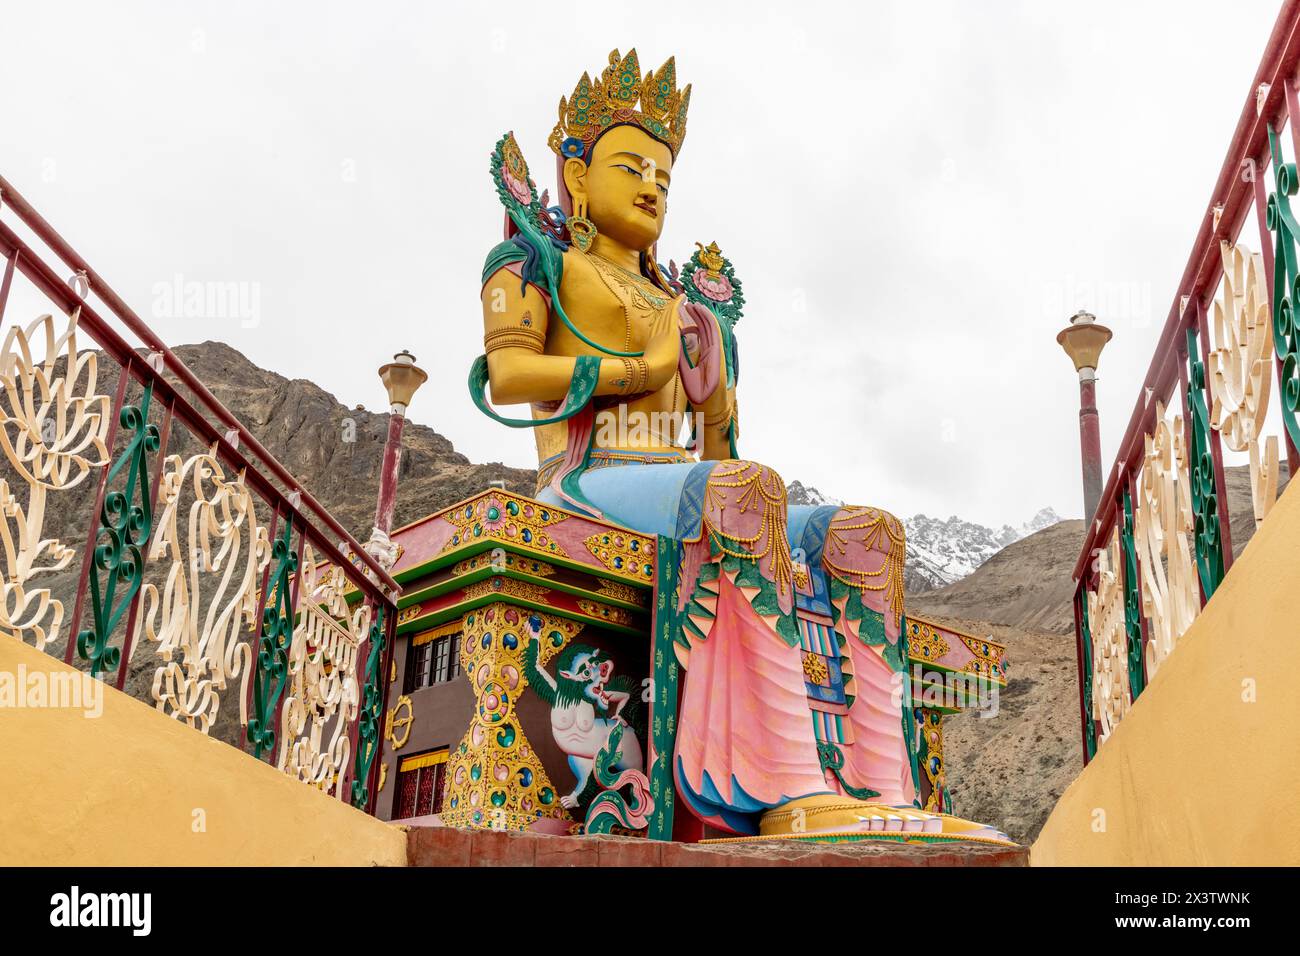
(608,304)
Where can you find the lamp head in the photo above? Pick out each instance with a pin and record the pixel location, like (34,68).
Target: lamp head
(1083,339)
(401,377)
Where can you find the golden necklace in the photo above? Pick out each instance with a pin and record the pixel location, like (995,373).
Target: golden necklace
(643,293)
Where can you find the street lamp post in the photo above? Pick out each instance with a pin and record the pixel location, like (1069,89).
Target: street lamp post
(1083,339)
(401,377)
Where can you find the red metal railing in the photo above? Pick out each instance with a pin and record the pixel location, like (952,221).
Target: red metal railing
(150,364)
(1239,189)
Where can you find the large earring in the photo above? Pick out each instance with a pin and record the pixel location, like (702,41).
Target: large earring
(581,229)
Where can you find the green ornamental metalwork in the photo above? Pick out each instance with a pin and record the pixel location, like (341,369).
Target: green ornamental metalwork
(1286,278)
(1205,503)
(1089,728)
(1132,602)
(372,705)
(273,646)
(125,523)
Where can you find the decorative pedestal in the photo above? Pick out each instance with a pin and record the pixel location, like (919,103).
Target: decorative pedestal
(552,615)
(569,721)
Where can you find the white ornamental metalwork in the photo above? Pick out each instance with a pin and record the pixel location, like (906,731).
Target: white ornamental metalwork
(1163,534)
(53,429)
(323,698)
(1240,370)
(205,613)
(1111,697)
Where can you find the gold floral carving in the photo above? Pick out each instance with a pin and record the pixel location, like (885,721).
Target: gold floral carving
(495,779)
(53,427)
(605,612)
(619,591)
(503,516)
(932,730)
(623,552)
(987,655)
(814,668)
(501,562)
(506,586)
(924,642)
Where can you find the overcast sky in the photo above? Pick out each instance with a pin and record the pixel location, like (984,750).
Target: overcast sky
(915,196)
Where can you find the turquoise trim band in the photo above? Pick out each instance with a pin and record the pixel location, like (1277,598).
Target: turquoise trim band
(586,374)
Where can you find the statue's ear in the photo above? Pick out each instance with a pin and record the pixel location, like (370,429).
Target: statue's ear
(575,178)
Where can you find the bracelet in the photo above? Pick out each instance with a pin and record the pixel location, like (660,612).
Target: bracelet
(637,375)
(629,377)
(512,338)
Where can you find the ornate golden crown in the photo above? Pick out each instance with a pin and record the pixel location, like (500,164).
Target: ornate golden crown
(611,100)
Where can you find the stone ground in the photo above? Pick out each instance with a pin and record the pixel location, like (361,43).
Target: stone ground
(445,846)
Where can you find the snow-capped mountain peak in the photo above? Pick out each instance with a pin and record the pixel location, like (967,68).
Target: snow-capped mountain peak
(797,493)
(941,550)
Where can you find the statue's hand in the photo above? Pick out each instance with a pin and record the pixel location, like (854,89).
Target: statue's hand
(699,382)
(663,348)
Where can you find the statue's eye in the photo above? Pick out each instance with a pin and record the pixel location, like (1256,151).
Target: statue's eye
(634,172)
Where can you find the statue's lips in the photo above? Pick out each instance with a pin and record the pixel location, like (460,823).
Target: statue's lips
(648,210)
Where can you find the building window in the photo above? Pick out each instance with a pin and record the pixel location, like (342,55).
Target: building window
(420,782)
(434,657)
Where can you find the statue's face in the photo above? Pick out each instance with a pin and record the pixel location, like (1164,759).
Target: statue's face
(625,199)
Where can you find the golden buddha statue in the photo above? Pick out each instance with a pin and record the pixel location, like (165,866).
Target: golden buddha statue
(792,719)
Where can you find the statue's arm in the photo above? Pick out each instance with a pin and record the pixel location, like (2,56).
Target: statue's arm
(542,683)
(515,323)
(718,418)
(719,412)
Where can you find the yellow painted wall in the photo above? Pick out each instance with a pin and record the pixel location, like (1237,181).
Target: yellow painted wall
(1195,775)
(121,789)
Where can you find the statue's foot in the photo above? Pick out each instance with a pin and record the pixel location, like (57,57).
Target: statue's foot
(830,817)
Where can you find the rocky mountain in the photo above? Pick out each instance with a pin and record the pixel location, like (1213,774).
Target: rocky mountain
(1028,584)
(335,451)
